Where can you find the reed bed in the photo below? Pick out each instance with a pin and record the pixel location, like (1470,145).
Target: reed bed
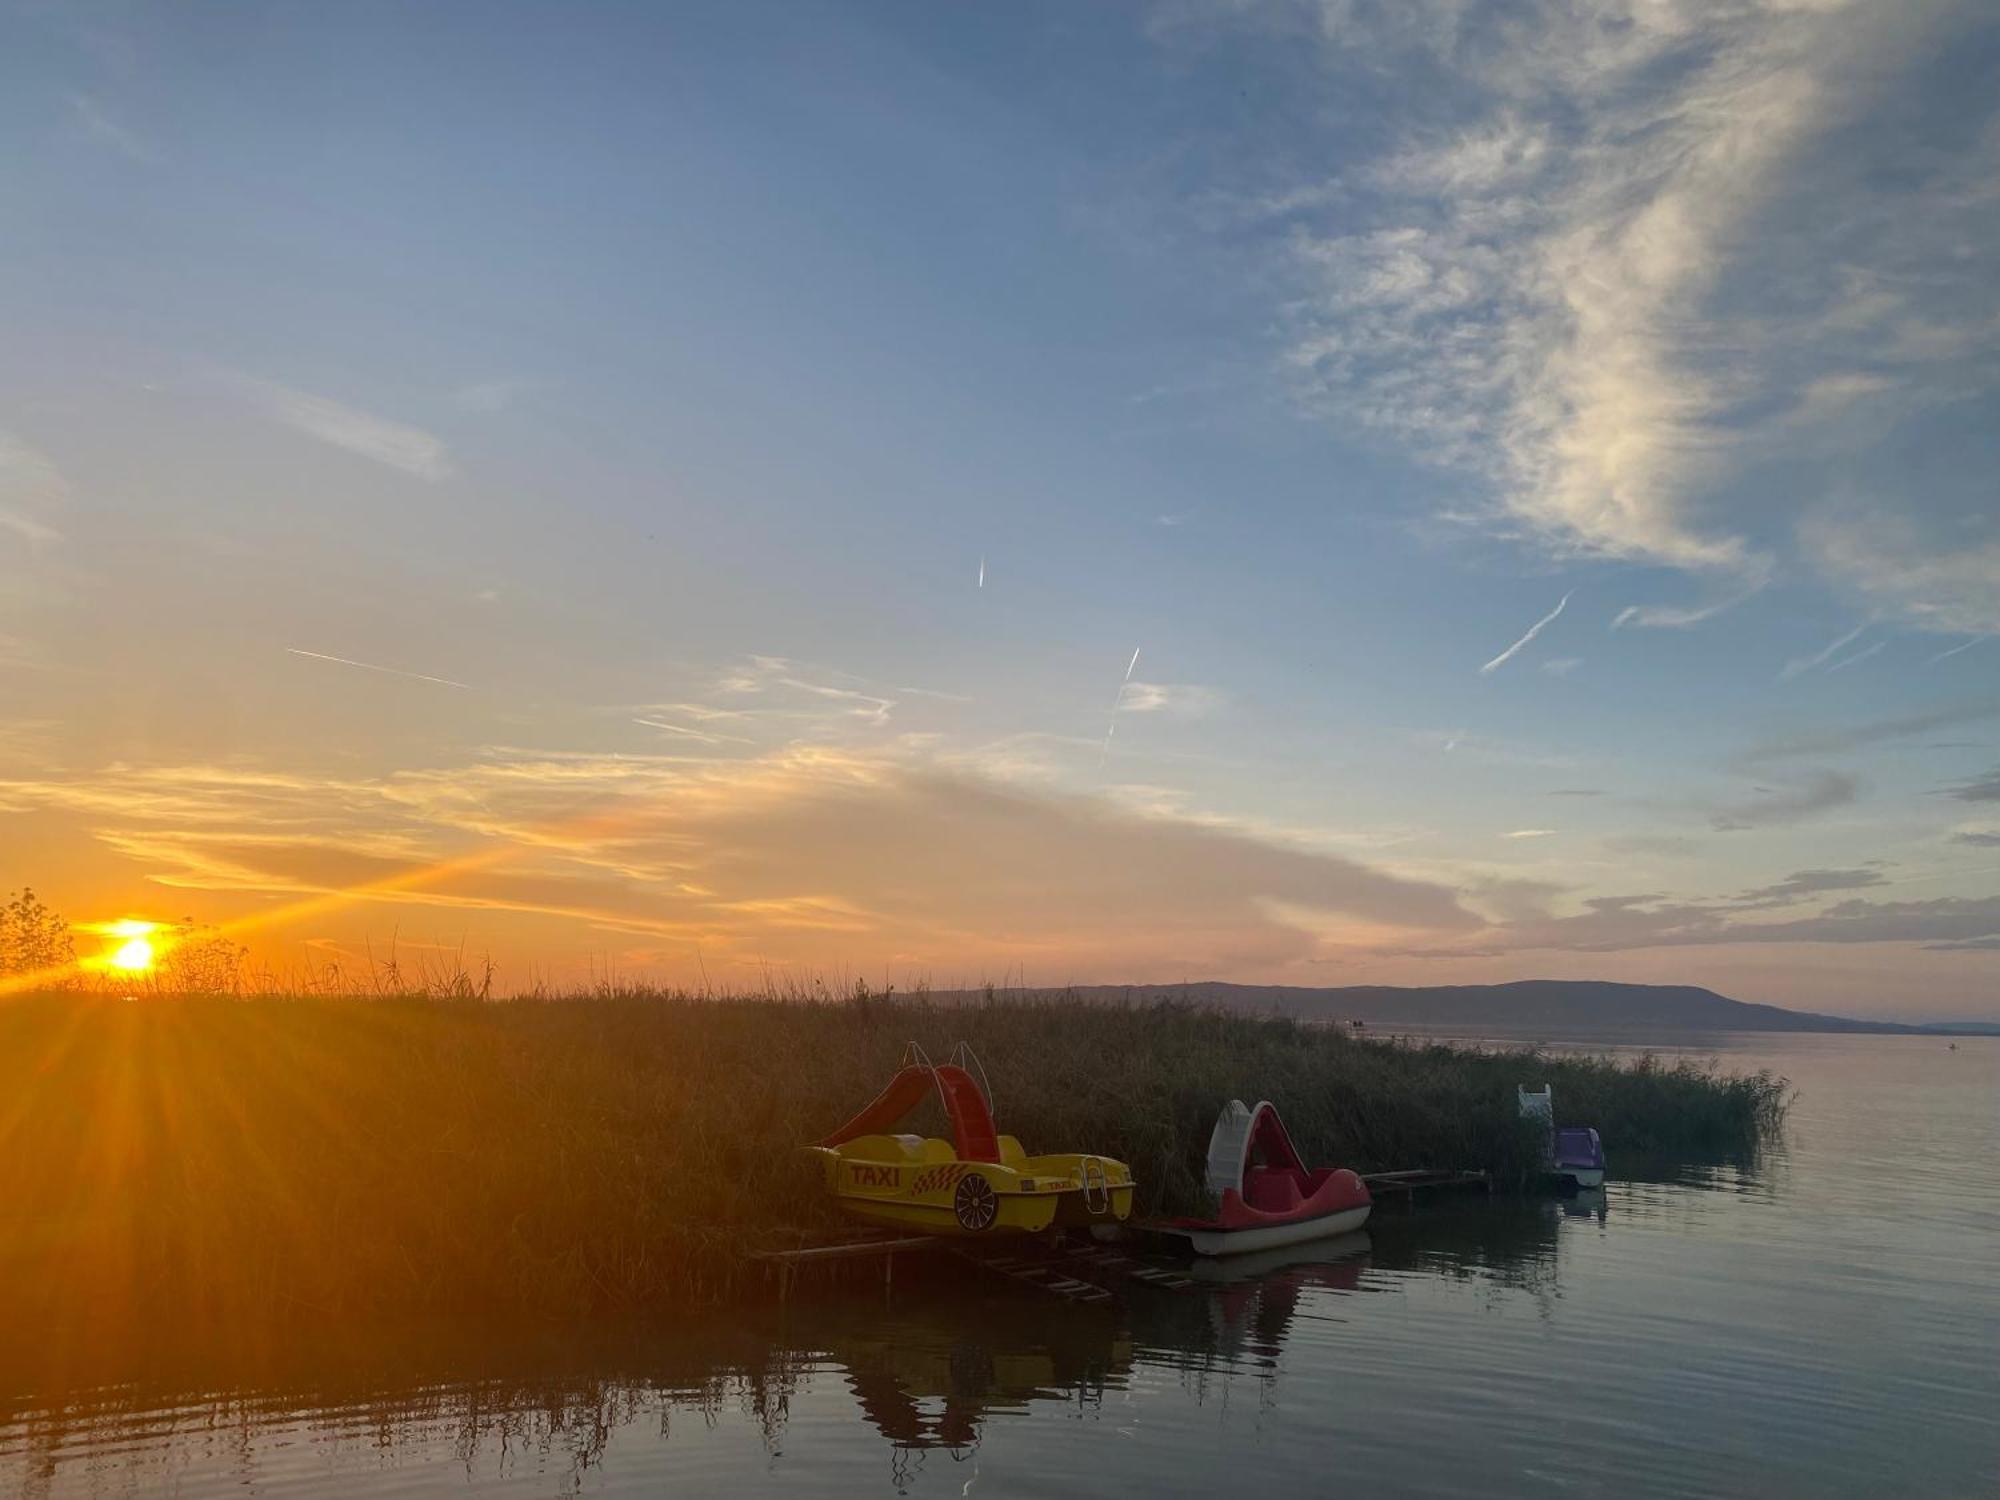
(356,1155)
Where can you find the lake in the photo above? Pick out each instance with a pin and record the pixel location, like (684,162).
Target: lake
(1822,1321)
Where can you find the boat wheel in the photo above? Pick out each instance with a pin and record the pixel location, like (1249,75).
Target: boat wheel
(975,1203)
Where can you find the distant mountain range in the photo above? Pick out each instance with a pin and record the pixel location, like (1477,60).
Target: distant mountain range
(1554,1004)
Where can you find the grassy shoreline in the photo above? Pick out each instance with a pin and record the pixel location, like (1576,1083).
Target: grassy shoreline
(622,1151)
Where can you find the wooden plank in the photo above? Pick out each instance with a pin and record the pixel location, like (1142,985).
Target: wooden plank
(1403,1182)
(1042,1276)
(854,1250)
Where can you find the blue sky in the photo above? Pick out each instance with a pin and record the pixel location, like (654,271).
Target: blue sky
(767,432)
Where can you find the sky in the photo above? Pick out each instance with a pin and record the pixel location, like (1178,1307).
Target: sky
(1299,493)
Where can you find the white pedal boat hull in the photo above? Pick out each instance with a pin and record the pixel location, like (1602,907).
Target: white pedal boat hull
(1220,1242)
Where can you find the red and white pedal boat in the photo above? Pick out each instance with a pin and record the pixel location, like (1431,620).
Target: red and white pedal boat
(1268,1197)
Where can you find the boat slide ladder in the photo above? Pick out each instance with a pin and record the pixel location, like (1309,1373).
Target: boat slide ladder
(1096,1186)
(962,1056)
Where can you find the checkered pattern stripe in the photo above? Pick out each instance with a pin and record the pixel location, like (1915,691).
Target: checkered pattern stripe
(939,1179)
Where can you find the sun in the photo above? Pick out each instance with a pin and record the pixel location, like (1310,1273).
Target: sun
(133,950)
(134,956)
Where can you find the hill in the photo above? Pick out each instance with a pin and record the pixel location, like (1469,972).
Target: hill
(1573,1004)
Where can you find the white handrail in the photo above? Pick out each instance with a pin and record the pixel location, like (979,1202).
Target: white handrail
(915,1056)
(964,1049)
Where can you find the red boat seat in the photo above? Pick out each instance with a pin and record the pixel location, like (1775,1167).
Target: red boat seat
(1272,1190)
(1277,1195)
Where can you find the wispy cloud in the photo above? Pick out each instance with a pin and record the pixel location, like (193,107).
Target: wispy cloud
(396,444)
(1685,616)
(1533,630)
(369,666)
(1530,833)
(1802,885)
(753,858)
(1936,577)
(31,489)
(1790,800)
(1543,279)
(1874,648)
(97,123)
(1981,789)
(487,396)
(1873,732)
(1946,655)
(766,674)
(682,731)
(1819,658)
(1186,699)
(1610,924)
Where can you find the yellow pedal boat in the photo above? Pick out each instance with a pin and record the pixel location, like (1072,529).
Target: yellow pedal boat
(979,1182)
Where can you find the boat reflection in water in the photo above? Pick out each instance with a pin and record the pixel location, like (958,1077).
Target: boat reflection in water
(927,1371)
(926,1380)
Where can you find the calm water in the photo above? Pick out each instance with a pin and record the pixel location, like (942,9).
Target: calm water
(1823,1322)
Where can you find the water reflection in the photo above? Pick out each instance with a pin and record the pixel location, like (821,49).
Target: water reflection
(929,1375)
(1820,1320)
(928,1372)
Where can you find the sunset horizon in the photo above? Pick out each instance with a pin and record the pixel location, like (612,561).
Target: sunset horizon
(848,748)
(943,501)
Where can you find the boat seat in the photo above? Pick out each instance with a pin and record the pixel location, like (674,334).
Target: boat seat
(1011,1154)
(1272,1190)
(937,1150)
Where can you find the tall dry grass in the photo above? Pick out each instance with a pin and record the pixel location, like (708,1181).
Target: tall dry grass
(361,1154)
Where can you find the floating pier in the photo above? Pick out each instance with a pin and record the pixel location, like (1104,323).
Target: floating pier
(1423,1179)
(1080,1271)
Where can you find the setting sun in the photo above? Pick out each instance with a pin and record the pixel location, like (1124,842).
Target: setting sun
(133,956)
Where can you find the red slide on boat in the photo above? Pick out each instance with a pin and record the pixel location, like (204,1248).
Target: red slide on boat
(971,1121)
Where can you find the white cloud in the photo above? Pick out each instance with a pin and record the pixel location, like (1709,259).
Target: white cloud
(100,127)
(1185,699)
(1937,581)
(396,444)
(31,486)
(490,395)
(1591,292)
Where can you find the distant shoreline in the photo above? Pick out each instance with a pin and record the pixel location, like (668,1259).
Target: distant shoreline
(1521,1005)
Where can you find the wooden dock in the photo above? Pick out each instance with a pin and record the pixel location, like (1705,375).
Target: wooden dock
(1031,1268)
(787,1262)
(1410,1183)
(1085,1272)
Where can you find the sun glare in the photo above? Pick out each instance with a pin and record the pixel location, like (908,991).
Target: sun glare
(134,956)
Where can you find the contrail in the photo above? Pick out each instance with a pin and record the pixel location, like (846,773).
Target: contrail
(1800,664)
(1533,630)
(1963,646)
(1862,655)
(982,570)
(369,666)
(1112,728)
